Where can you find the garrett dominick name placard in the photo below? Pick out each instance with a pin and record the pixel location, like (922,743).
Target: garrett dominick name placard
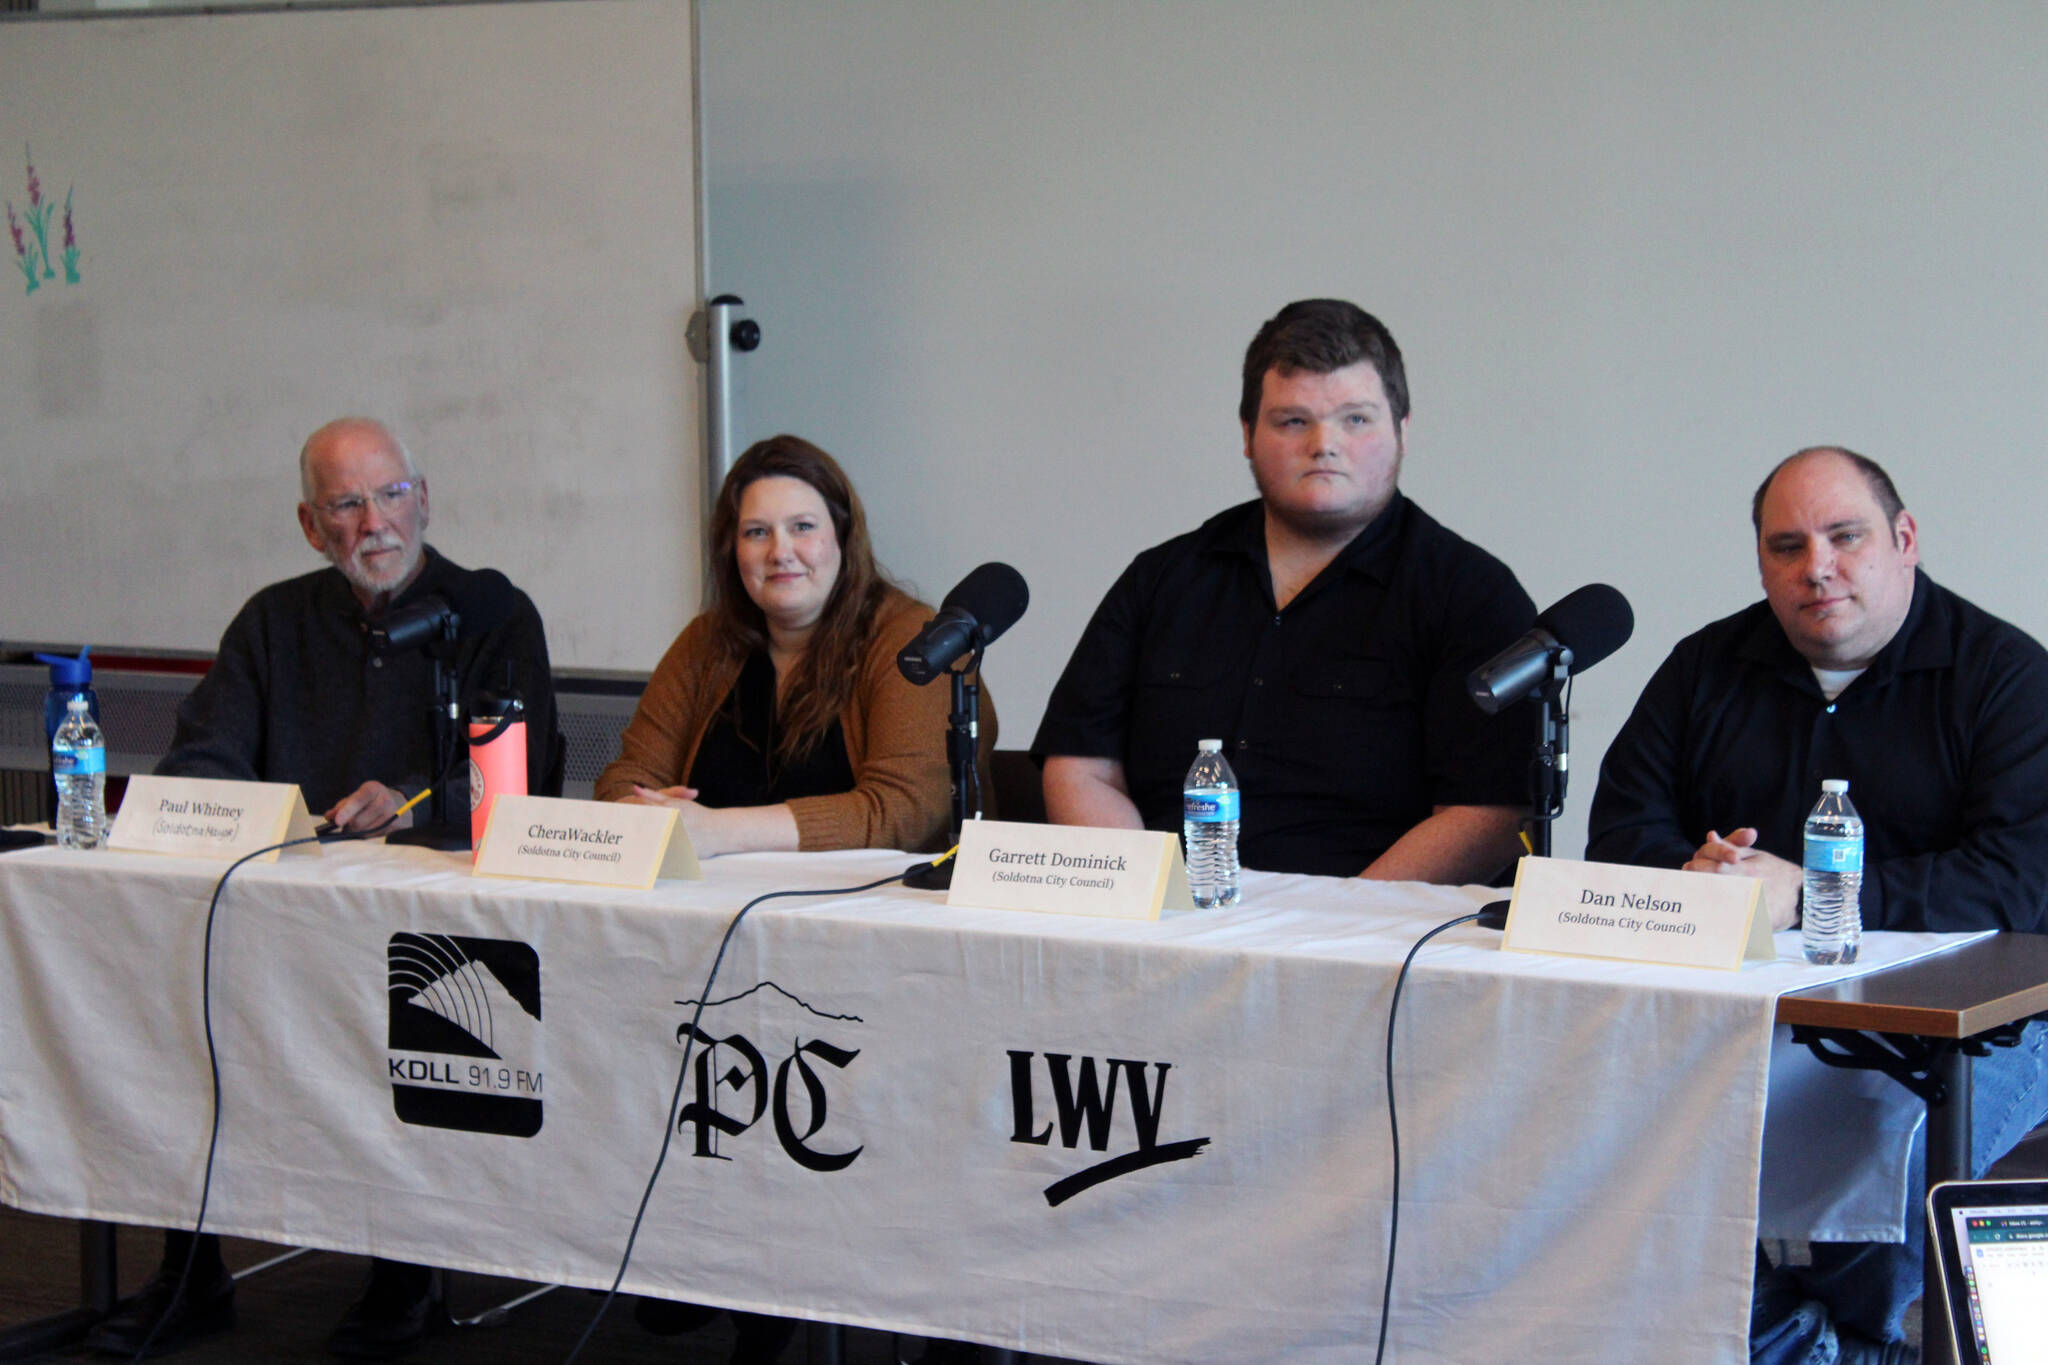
(1069,870)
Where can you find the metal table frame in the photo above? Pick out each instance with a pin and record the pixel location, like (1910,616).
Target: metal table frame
(1921,1023)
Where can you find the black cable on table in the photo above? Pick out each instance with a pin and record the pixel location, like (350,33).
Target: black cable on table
(213,1057)
(1394,1129)
(683,1073)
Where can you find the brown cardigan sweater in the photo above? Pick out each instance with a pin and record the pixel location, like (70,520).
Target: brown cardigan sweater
(895,739)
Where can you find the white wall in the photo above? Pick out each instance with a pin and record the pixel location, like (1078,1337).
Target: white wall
(1006,259)
(475,221)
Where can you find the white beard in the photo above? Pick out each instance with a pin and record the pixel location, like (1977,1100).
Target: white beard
(364,579)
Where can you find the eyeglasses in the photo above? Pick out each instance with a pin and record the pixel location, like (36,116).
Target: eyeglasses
(390,498)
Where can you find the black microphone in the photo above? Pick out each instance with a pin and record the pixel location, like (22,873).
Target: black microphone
(475,605)
(1587,625)
(985,604)
(415,624)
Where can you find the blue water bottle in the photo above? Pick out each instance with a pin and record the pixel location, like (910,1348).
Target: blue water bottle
(68,678)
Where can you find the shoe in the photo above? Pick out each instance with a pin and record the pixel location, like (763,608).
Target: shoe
(759,1339)
(207,1308)
(401,1307)
(1861,1350)
(669,1317)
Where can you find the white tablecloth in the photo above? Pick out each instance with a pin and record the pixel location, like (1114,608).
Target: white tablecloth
(1838,1143)
(901,1089)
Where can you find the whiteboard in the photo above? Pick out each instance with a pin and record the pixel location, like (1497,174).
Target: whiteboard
(477,222)
(1006,259)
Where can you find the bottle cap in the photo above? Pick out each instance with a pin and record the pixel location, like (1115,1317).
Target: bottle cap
(69,672)
(1835,784)
(1208,746)
(500,700)
(491,704)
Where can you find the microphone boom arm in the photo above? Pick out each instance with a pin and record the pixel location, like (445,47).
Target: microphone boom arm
(963,759)
(439,830)
(1550,761)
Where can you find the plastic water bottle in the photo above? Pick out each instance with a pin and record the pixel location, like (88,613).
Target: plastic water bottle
(79,757)
(1209,811)
(1832,913)
(68,678)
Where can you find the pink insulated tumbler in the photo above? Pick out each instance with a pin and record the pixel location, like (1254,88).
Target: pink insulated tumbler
(497,758)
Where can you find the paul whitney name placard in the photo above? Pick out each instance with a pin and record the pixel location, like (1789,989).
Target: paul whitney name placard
(1638,914)
(599,843)
(206,817)
(1118,873)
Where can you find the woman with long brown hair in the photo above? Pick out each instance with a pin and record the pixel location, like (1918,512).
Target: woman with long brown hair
(778,719)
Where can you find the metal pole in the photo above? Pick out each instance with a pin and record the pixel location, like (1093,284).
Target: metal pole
(718,452)
(715,334)
(1948,1158)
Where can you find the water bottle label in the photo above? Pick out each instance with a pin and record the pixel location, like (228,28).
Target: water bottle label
(1833,855)
(1205,808)
(79,762)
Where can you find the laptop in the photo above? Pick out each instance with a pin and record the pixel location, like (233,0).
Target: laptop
(1992,1238)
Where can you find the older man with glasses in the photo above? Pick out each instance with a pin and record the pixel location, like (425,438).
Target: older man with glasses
(305,689)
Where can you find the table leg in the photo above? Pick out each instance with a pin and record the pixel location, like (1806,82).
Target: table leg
(98,1271)
(96,1292)
(825,1344)
(1948,1158)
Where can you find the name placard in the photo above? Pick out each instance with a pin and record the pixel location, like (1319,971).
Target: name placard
(1069,870)
(1638,914)
(598,843)
(206,817)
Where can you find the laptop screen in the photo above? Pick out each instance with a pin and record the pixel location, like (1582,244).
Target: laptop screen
(2002,1252)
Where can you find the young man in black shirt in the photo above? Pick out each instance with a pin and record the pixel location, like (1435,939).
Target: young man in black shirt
(1323,632)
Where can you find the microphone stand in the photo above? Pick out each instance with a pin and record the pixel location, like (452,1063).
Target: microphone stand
(963,735)
(1550,762)
(1549,768)
(440,831)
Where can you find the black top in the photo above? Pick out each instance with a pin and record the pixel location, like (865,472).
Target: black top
(298,693)
(1943,740)
(736,763)
(1344,716)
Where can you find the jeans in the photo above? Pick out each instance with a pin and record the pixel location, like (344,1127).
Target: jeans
(1867,1287)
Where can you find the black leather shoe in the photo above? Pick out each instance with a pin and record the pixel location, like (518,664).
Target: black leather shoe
(207,1308)
(759,1339)
(670,1317)
(402,1306)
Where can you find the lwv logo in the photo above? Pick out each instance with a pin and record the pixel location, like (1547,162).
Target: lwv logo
(1084,1108)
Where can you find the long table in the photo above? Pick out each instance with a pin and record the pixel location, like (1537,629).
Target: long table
(1099,1139)
(1929,1008)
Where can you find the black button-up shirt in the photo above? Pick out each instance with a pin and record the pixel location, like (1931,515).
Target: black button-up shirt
(1943,741)
(1344,715)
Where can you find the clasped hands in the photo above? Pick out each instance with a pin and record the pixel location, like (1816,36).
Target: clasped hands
(1737,854)
(697,821)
